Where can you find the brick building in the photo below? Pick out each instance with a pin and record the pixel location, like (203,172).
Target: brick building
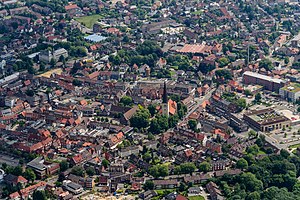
(269,83)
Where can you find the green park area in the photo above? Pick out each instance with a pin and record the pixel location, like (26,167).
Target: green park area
(196,198)
(88,21)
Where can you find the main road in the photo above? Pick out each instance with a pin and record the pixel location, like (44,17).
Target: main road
(199,102)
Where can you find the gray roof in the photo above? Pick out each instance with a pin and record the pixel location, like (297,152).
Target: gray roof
(263,77)
(95,38)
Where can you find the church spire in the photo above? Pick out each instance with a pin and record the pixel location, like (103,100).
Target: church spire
(165,95)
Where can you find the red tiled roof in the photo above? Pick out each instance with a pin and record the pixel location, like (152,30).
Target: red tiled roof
(27,82)
(172,106)
(77,159)
(70,7)
(120,135)
(192,48)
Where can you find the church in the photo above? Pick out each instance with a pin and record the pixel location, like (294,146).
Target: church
(168,106)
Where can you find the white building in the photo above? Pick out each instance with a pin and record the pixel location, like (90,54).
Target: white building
(47,55)
(290,92)
(2,173)
(72,187)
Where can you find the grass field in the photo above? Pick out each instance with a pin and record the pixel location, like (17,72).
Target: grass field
(261,152)
(48,73)
(294,146)
(88,21)
(196,198)
(199,12)
(161,191)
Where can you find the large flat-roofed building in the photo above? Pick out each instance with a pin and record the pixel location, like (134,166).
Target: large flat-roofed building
(47,55)
(269,83)
(290,92)
(266,120)
(43,168)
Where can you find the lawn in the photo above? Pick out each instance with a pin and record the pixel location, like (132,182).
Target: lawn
(294,146)
(198,12)
(88,21)
(261,152)
(163,191)
(196,198)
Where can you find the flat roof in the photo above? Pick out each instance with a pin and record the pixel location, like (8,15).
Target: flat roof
(266,116)
(263,77)
(289,114)
(95,38)
(292,87)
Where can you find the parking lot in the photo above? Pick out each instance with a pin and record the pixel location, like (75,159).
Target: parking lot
(11,161)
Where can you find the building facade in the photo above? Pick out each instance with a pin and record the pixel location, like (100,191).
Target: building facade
(266,120)
(269,83)
(290,92)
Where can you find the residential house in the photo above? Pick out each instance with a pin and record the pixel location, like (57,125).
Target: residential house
(214,191)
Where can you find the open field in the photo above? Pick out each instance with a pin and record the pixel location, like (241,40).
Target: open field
(196,198)
(88,21)
(48,73)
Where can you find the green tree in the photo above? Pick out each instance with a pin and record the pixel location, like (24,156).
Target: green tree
(251,182)
(149,185)
(192,124)
(62,59)
(267,64)
(253,196)
(77,82)
(78,171)
(252,134)
(140,119)
(52,62)
(159,124)
(90,171)
(296,188)
(223,73)
(126,101)
(253,149)
(152,109)
(147,157)
(258,97)
(241,103)
(159,170)
(105,163)
(175,97)
(17,171)
(173,120)
(223,61)
(187,168)
(39,195)
(242,164)
(277,193)
(284,153)
(182,187)
(247,92)
(64,165)
(204,167)
(42,67)
(29,174)
(205,68)
(286,60)
(29,93)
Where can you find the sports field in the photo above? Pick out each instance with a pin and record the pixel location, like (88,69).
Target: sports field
(88,21)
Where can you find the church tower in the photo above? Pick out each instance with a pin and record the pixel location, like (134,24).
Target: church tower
(165,104)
